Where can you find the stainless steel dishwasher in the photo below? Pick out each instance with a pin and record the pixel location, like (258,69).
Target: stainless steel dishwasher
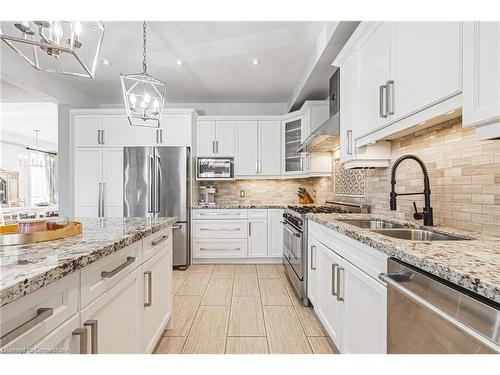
(426,315)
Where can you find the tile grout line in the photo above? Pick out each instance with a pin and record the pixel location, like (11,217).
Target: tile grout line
(230,309)
(263,315)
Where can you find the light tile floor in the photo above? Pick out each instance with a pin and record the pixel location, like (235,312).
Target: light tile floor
(240,309)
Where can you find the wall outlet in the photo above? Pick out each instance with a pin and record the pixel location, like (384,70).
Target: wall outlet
(242,193)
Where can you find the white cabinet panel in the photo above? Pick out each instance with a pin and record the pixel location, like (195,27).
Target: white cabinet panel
(274,233)
(61,340)
(349,110)
(220,214)
(220,248)
(176,130)
(365,313)
(88,175)
(426,66)
(205,138)
(220,229)
(157,311)
(225,138)
(246,148)
(118,315)
(293,135)
(257,238)
(482,77)
(269,148)
(112,162)
(85,130)
(116,130)
(312,271)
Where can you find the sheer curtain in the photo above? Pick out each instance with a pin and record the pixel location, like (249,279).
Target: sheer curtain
(44,180)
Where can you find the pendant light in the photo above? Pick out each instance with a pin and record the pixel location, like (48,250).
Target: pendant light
(143,94)
(37,159)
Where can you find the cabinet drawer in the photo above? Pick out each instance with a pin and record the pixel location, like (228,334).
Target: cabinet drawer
(32,317)
(154,243)
(257,213)
(118,265)
(221,214)
(220,229)
(61,340)
(219,248)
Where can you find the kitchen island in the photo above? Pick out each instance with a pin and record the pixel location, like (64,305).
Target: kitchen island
(112,284)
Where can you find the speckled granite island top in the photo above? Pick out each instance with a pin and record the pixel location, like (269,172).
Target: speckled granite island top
(26,268)
(473,265)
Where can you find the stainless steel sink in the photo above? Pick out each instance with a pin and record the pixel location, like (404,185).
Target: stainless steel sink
(372,224)
(417,235)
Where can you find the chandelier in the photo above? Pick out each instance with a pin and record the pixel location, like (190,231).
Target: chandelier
(38,158)
(65,47)
(143,94)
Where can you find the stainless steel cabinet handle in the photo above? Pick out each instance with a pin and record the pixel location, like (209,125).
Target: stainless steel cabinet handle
(349,142)
(301,162)
(157,136)
(390,97)
(149,274)
(422,302)
(217,147)
(93,335)
(256,166)
(340,296)
(103,197)
(82,332)
(221,229)
(334,279)
(249,228)
(213,147)
(161,136)
(41,315)
(98,137)
(220,214)
(159,241)
(102,137)
(225,249)
(382,99)
(313,250)
(99,192)
(108,274)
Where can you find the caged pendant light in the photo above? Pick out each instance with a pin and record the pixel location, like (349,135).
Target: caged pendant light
(143,94)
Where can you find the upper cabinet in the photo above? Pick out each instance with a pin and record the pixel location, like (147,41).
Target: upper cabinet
(215,138)
(481,59)
(293,135)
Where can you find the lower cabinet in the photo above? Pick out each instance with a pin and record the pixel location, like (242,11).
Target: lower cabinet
(157,302)
(274,233)
(257,233)
(114,319)
(66,339)
(312,271)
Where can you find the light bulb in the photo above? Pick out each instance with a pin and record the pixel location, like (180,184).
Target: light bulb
(143,104)
(132,99)
(77,28)
(156,104)
(147,98)
(57,31)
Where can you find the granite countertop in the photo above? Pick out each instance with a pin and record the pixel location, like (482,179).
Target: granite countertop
(241,206)
(26,268)
(473,265)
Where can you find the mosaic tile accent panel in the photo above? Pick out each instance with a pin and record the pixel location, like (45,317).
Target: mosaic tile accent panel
(348,182)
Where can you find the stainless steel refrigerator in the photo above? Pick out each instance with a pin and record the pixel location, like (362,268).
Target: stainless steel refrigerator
(157,184)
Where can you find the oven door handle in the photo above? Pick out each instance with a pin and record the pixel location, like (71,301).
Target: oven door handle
(285,225)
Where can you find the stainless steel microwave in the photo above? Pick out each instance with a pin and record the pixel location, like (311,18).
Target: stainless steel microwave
(215,168)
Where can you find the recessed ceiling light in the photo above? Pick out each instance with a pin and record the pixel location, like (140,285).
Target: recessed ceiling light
(180,62)
(105,62)
(255,61)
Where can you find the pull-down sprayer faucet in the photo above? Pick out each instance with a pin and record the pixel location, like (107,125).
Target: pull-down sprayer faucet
(426,213)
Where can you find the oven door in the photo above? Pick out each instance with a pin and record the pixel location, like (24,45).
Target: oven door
(292,248)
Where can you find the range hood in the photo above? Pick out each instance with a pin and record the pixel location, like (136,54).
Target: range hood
(327,136)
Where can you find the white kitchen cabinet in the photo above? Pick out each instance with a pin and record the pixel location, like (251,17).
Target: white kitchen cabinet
(312,271)
(269,148)
(88,175)
(257,237)
(114,319)
(117,131)
(481,62)
(215,138)
(247,148)
(274,233)
(65,339)
(292,136)
(365,312)
(329,307)
(157,310)
(220,229)
(219,248)
(176,129)
(426,65)
(86,130)
(112,179)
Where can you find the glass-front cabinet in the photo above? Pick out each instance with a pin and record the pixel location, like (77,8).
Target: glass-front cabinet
(293,134)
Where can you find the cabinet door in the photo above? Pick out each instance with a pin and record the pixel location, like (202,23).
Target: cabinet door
(158,281)
(225,138)
(205,138)
(112,162)
(85,130)
(118,316)
(481,73)
(62,340)
(292,137)
(348,110)
(116,130)
(269,148)
(365,313)
(312,271)
(274,233)
(176,130)
(374,71)
(246,148)
(257,238)
(328,307)
(426,65)
(88,176)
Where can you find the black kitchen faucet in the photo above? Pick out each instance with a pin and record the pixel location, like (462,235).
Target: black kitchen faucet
(426,213)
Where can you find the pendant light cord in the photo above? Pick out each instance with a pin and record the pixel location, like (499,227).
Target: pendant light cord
(144,65)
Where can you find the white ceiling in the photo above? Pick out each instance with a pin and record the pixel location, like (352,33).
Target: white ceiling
(20,119)
(217,60)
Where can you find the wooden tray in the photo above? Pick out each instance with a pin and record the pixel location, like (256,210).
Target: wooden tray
(9,235)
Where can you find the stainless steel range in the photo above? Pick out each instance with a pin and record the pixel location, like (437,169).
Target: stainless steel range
(295,240)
